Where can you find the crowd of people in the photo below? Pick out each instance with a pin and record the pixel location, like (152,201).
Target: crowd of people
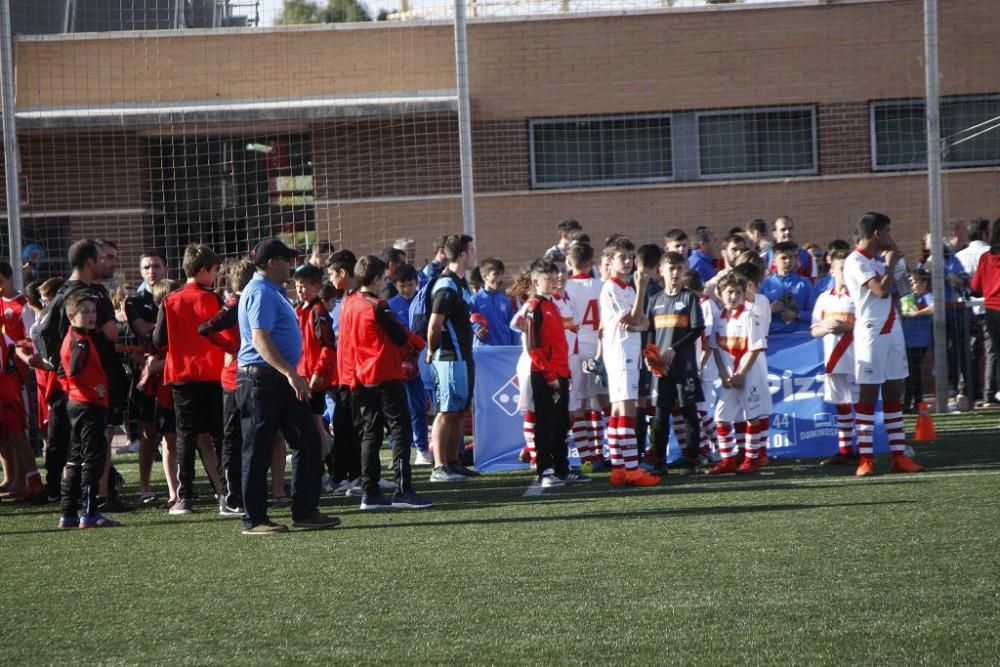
(327,356)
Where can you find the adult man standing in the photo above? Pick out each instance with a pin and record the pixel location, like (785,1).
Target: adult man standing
(449,350)
(272,397)
(879,349)
(702,258)
(567,228)
(140,312)
(979,232)
(782,231)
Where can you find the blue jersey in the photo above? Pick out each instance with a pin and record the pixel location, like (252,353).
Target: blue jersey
(793,288)
(495,308)
(918,331)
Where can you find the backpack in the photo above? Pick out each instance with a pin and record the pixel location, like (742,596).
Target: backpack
(420,307)
(51,328)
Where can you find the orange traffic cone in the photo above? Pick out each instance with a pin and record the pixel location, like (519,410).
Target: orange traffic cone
(925,425)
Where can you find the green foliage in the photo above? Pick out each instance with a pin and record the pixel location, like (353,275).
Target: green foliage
(297,12)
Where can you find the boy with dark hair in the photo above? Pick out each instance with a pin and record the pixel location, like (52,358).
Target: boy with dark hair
(879,347)
(550,373)
(622,322)
(833,321)
(491,308)
(567,228)
(675,326)
(438,263)
(87,406)
(416,393)
(222,329)
(676,240)
(790,294)
(345,473)
(192,369)
(318,364)
(917,310)
(393,258)
(378,343)
(449,351)
(739,342)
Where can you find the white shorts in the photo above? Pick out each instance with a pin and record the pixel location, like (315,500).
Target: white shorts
(750,401)
(525,399)
(623,379)
(879,357)
(583,388)
(840,389)
(708,391)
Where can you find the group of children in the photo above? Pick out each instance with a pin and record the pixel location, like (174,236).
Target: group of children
(618,348)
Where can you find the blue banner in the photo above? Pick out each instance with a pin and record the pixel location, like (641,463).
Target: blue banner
(802,424)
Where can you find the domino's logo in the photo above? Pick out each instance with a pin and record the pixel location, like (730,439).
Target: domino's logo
(506,397)
(822,419)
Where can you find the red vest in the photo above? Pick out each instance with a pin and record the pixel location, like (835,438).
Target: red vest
(191,357)
(550,354)
(90,384)
(374,357)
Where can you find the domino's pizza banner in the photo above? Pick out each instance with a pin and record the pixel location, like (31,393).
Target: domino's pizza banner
(802,424)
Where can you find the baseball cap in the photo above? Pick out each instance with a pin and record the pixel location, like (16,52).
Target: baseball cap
(270,249)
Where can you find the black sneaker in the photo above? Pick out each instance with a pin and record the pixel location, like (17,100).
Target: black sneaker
(225,509)
(317,521)
(460,469)
(575,477)
(375,501)
(112,506)
(411,500)
(182,506)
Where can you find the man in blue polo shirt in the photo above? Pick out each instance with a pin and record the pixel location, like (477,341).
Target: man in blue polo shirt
(702,259)
(272,397)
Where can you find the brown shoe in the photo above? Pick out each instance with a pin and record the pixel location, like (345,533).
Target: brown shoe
(266,528)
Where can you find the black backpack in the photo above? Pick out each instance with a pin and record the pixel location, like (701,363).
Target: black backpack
(51,327)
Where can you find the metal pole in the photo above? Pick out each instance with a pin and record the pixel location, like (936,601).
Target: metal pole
(464,121)
(935,208)
(12,160)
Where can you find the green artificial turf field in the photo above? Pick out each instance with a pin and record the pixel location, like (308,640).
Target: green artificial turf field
(800,565)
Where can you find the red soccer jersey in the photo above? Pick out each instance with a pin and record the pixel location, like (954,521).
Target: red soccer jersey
(17,316)
(85,381)
(374,340)
(547,344)
(319,351)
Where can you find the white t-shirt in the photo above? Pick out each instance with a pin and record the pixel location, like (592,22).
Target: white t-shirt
(762,309)
(619,344)
(833,305)
(872,313)
(568,314)
(710,312)
(584,294)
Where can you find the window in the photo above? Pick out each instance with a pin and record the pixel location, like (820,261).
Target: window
(600,151)
(968,128)
(757,143)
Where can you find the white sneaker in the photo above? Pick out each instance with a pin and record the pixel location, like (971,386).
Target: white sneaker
(341,488)
(356,488)
(423,459)
(549,479)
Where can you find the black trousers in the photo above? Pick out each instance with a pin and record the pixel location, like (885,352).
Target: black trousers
(914,390)
(957,327)
(346,436)
(231,456)
(551,424)
(268,405)
(384,408)
(87,453)
(991,344)
(197,410)
(677,391)
(57,445)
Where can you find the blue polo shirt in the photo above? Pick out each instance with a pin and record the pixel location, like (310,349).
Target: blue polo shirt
(702,264)
(263,305)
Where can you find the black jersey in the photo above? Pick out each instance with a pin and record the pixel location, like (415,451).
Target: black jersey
(675,321)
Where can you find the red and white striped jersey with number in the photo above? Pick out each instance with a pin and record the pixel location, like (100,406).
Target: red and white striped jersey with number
(584,294)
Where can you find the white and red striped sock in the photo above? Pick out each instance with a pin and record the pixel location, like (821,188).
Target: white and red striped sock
(529,434)
(597,434)
(845,429)
(614,442)
(758,433)
(680,429)
(892,413)
(629,448)
(580,432)
(864,420)
(707,441)
(725,432)
(741,437)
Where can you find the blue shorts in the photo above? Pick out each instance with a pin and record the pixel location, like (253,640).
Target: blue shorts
(452,385)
